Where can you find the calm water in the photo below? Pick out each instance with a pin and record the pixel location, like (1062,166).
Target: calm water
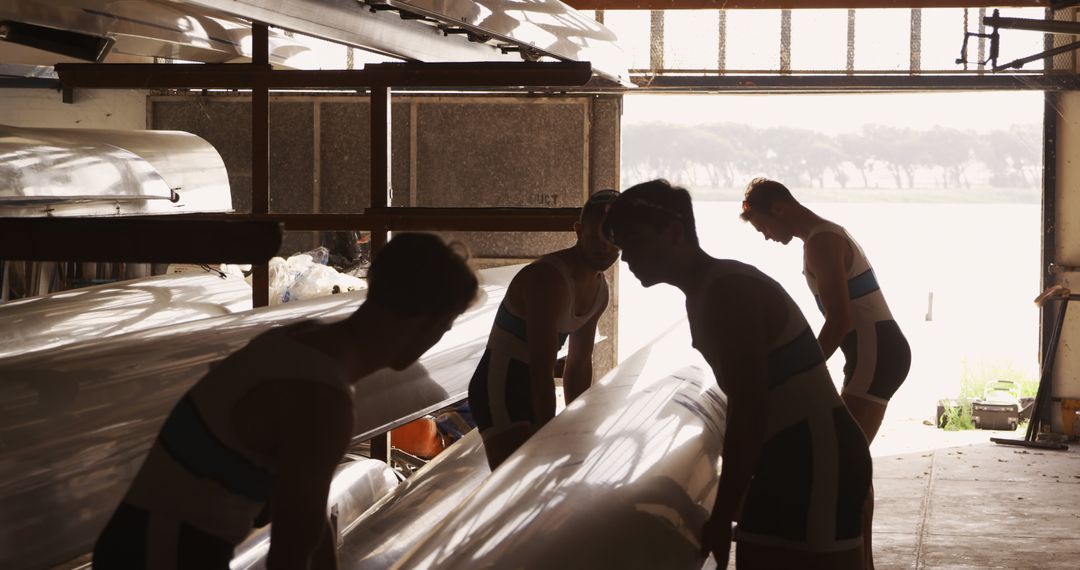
(980,261)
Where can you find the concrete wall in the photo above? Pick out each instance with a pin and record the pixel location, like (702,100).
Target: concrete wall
(1066,231)
(447,151)
(1067,251)
(92,109)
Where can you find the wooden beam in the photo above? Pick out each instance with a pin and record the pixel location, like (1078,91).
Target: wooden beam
(248,75)
(792,4)
(147,239)
(260,154)
(475,219)
(380,149)
(418,219)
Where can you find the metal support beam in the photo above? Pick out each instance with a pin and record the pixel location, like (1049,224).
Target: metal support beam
(244,76)
(1048,26)
(850,68)
(982,40)
(721,48)
(142,239)
(260,153)
(824,83)
(915,59)
(785,41)
(656,40)
(1049,214)
(380,447)
(1047,55)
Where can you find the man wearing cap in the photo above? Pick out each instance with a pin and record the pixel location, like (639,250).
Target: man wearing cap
(857,318)
(559,296)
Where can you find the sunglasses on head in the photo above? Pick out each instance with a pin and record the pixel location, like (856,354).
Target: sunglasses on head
(603,196)
(653,206)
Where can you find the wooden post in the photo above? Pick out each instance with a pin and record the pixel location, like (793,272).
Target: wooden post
(260,155)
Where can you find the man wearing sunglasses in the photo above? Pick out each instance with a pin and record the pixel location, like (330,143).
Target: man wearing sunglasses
(558,297)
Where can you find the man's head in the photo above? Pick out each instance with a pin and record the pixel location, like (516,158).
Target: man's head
(653,223)
(767,205)
(425,284)
(595,249)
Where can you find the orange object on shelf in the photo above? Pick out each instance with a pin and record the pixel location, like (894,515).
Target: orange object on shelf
(420,438)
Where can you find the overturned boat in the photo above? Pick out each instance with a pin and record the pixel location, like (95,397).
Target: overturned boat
(624,477)
(75,422)
(358,483)
(45,32)
(100,172)
(111,309)
(48,172)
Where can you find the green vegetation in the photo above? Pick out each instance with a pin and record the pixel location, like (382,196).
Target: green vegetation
(957,417)
(975,377)
(973,383)
(720,157)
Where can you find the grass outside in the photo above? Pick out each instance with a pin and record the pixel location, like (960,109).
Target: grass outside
(976,378)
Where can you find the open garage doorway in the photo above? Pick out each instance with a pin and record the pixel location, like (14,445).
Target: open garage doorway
(942,190)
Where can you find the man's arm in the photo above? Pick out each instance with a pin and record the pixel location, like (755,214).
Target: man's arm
(315,436)
(578,375)
(825,255)
(545,298)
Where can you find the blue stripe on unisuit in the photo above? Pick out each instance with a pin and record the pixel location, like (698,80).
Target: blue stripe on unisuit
(191,443)
(858,286)
(510,323)
(799,355)
(862,284)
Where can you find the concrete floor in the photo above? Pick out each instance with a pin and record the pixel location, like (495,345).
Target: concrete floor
(956,500)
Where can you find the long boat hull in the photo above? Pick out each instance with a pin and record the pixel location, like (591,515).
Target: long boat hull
(356,486)
(546,27)
(388,527)
(52,321)
(399,521)
(75,422)
(45,32)
(623,478)
(549,27)
(92,172)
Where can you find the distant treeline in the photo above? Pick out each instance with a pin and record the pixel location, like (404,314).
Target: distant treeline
(728,155)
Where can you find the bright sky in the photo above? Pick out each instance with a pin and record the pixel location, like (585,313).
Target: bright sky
(841,113)
(819,42)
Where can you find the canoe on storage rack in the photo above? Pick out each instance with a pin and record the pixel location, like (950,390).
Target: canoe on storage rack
(75,422)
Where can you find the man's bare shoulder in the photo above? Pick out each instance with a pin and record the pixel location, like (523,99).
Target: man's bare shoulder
(734,293)
(539,276)
(733,300)
(539,285)
(826,242)
(823,246)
